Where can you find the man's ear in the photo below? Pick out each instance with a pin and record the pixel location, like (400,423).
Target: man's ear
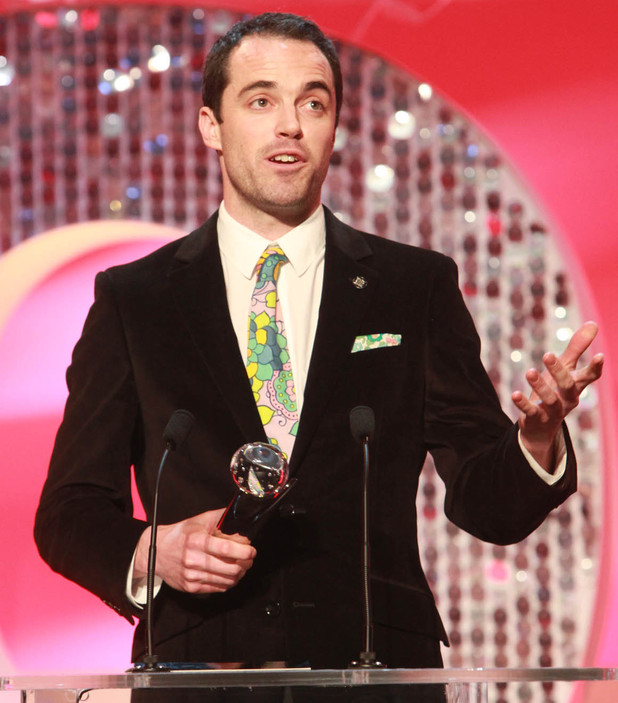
(209,128)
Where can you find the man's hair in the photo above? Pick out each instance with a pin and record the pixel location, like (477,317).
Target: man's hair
(269,24)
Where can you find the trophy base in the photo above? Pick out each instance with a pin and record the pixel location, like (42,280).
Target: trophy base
(246,513)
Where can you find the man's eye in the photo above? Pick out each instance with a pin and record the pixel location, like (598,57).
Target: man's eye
(316,105)
(260,102)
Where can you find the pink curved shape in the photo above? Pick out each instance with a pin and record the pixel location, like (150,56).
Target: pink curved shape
(35,349)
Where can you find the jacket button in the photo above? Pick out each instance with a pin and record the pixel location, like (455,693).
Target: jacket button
(273,609)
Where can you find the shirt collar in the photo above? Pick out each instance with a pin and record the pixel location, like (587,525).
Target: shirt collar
(243,247)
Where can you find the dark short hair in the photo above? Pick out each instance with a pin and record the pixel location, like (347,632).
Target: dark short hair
(273,24)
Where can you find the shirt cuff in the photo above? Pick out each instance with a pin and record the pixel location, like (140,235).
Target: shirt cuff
(136,588)
(561,459)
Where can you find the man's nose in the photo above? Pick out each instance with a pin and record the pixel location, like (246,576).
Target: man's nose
(288,124)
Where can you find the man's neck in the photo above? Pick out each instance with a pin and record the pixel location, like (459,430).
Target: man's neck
(267,225)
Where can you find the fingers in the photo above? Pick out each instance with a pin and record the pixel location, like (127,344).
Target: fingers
(526,405)
(555,393)
(569,383)
(194,556)
(222,547)
(529,412)
(549,400)
(579,342)
(544,397)
(215,562)
(564,380)
(593,371)
(544,403)
(204,573)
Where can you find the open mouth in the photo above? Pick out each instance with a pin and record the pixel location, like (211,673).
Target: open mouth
(284,159)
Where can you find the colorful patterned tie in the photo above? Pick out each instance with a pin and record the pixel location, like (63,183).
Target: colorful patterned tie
(268,361)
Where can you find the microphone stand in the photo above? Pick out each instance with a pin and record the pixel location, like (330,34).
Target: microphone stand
(175,433)
(367,658)
(151,659)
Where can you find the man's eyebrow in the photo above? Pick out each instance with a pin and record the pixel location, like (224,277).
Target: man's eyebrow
(317,85)
(266,85)
(257,84)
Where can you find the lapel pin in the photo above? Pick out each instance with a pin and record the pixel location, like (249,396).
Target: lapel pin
(359,282)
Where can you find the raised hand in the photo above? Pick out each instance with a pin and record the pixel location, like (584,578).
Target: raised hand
(555,393)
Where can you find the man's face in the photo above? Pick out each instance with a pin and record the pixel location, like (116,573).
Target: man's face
(277,130)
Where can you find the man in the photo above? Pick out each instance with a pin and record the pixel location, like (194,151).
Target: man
(367,322)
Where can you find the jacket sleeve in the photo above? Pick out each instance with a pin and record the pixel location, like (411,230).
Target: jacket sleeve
(84,526)
(491,490)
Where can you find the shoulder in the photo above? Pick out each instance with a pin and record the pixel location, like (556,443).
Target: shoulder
(407,253)
(386,253)
(155,267)
(157,260)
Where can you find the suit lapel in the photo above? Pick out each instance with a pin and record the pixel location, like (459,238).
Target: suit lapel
(198,289)
(349,285)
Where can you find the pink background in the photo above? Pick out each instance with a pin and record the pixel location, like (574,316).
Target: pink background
(540,77)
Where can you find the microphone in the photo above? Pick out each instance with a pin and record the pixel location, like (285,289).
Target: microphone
(178,428)
(362,426)
(176,431)
(362,423)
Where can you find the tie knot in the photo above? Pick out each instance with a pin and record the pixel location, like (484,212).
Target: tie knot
(269,264)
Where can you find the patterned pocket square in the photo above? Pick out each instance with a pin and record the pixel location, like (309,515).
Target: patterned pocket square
(375,341)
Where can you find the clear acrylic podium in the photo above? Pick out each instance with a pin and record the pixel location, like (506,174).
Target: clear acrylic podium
(462,685)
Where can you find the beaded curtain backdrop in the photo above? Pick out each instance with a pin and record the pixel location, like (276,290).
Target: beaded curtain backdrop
(98,115)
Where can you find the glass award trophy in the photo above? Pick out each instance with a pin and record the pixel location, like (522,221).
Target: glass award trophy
(261,474)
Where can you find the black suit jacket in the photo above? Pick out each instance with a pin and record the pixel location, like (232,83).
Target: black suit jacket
(159,337)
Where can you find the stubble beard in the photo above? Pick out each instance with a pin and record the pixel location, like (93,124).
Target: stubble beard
(292,201)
